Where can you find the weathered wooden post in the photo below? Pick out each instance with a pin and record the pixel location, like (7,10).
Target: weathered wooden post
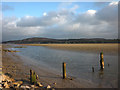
(101,61)
(108,64)
(32,77)
(92,69)
(37,77)
(64,70)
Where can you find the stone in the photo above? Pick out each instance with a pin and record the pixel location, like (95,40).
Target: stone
(53,89)
(71,78)
(39,84)
(1,87)
(48,86)
(12,80)
(18,85)
(28,87)
(6,85)
(18,82)
(23,87)
(33,86)
(54,83)
(7,78)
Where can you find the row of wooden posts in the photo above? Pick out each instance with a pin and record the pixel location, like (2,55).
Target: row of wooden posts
(34,77)
(101,65)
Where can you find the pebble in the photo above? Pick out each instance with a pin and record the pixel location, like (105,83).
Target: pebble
(23,87)
(18,85)
(28,87)
(1,87)
(48,86)
(18,82)
(8,82)
(39,84)
(54,83)
(5,84)
(33,86)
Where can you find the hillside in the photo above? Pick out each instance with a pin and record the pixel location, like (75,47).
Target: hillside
(49,40)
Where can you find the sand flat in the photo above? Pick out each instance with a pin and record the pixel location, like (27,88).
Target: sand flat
(108,48)
(13,65)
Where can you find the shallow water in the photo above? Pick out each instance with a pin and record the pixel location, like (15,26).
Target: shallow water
(79,64)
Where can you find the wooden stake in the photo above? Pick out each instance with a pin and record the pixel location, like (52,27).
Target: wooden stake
(31,75)
(64,70)
(93,69)
(108,64)
(33,78)
(101,61)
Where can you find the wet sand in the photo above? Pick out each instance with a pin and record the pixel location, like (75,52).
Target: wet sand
(107,48)
(14,66)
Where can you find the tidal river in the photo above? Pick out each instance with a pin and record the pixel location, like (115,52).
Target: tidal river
(78,64)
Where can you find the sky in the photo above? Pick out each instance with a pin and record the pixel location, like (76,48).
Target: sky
(60,20)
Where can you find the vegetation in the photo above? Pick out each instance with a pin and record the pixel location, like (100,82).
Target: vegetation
(38,40)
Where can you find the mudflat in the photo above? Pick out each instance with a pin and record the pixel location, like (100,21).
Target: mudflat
(108,48)
(13,65)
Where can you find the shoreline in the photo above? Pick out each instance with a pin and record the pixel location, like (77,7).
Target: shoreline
(46,77)
(18,71)
(13,65)
(111,48)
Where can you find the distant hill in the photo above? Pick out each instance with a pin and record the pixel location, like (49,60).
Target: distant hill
(49,40)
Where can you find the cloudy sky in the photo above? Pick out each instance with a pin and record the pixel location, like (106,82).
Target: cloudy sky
(59,20)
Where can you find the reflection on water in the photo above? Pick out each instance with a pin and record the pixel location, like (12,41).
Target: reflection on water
(79,64)
(101,73)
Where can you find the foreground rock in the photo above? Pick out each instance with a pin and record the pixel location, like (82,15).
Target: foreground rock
(8,82)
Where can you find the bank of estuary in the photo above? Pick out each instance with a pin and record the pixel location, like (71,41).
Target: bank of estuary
(14,66)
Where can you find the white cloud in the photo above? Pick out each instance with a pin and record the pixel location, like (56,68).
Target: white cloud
(91,12)
(64,24)
(44,14)
(113,3)
(28,16)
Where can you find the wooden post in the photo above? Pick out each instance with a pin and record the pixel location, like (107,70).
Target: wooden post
(101,61)
(37,77)
(64,70)
(32,77)
(108,64)
(93,69)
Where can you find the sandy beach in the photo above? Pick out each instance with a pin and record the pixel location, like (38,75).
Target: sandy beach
(107,48)
(13,66)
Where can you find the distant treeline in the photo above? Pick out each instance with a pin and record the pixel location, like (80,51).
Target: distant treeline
(62,41)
